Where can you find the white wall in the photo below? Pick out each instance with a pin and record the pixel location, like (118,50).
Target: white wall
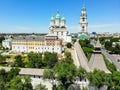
(6,44)
(23,48)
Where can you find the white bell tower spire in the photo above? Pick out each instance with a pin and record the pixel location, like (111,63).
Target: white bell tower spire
(83,20)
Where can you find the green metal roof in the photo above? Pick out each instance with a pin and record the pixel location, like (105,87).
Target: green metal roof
(83,36)
(63,18)
(57,15)
(83,8)
(7,40)
(52,18)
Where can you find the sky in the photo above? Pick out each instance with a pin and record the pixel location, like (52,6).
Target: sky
(28,16)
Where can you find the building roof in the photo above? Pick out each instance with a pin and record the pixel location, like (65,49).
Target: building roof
(52,18)
(58,14)
(83,36)
(7,40)
(63,18)
(30,37)
(27,71)
(83,8)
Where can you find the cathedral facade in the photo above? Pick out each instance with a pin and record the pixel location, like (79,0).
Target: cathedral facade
(58,28)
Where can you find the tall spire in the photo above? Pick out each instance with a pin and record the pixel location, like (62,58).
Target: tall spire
(63,18)
(52,18)
(83,7)
(58,11)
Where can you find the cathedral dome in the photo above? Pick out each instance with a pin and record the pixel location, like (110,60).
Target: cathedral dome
(63,18)
(83,36)
(83,8)
(57,15)
(52,18)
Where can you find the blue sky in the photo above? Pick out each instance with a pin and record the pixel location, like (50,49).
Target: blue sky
(34,15)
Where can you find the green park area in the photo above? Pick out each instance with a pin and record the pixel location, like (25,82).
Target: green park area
(111,44)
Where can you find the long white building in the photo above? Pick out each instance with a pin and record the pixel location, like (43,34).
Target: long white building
(35,43)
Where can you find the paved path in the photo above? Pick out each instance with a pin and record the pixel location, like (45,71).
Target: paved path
(97,62)
(75,58)
(111,59)
(80,57)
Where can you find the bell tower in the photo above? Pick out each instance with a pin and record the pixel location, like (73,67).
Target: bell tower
(83,21)
(83,25)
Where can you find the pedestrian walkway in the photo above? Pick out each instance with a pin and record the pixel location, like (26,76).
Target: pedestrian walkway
(97,62)
(80,57)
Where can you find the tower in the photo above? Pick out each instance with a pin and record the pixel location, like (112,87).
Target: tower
(57,20)
(83,24)
(63,21)
(52,21)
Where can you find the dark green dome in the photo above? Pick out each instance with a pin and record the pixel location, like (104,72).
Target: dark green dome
(83,8)
(63,18)
(52,18)
(83,36)
(58,14)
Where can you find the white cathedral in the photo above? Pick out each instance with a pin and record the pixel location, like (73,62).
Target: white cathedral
(58,28)
(83,25)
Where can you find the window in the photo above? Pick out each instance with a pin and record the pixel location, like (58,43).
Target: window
(52,48)
(82,28)
(83,19)
(61,33)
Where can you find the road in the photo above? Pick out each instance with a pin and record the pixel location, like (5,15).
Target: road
(111,59)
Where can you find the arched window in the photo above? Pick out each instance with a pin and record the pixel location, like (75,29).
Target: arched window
(83,28)
(83,19)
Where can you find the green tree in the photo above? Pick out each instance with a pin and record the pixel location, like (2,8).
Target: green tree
(114,81)
(3,75)
(108,44)
(81,73)
(34,60)
(98,78)
(1,38)
(50,59)
(48,74)
(68,58)
(2,59)
(18,61)
(12,73)
(40,87)
(65,72)
(26,83)
(60,88)
(69,45)
(19,83)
